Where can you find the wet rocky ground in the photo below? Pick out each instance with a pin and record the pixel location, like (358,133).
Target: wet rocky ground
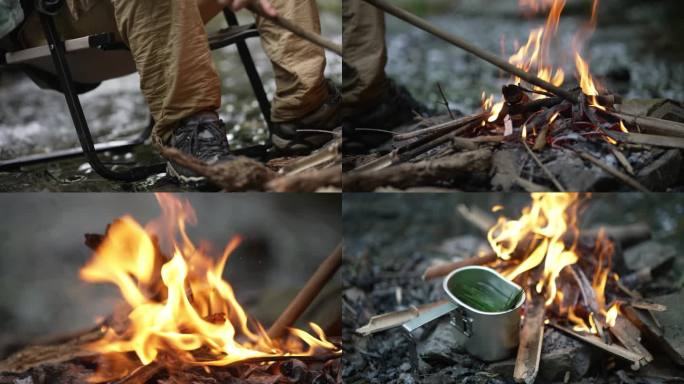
(34,121)
(390,240)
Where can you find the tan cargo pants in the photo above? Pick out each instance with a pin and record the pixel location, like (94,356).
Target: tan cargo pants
(365,55)
(170,48)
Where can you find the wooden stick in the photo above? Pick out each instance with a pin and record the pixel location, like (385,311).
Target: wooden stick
(443,127)
(479,218)
(441,270)
(644,139)
(142,374)
(240,174)
(320,358)
(297,30)
(531,337)
(391,320)
(651,124)
(459,42)
(613,172)
(309,181)
(328,153)
(433,136)
(546,171)
(420,173)
(304,298)
(630,337)
(625,234)
(597,342)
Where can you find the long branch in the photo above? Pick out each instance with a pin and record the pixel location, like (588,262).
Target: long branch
(479,52)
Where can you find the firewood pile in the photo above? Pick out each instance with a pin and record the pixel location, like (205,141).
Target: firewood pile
(542,144)
(567,338)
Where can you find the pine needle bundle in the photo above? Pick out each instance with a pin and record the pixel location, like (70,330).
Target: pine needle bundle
(488,298)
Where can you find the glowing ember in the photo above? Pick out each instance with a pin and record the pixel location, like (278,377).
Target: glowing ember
(182,305)
(535,248)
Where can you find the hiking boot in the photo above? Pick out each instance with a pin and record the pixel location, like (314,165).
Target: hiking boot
(298,137)
(397,107)
(202,136)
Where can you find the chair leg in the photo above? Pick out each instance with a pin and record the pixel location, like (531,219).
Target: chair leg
(252,73)
(77,115)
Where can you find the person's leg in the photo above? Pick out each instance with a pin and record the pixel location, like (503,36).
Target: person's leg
(369,98)
(298,64)
(365,54)
(172,55)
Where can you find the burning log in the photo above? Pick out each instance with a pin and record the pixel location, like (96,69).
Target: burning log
(424,172)
(531,337)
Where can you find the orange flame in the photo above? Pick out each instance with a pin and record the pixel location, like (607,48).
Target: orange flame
(182,304)
(535,54)
(545,236)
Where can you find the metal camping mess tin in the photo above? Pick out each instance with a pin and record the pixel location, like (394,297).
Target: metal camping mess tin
(489,336)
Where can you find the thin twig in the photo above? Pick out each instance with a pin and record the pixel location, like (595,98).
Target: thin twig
(446,102)
(548,173)
(613,172)
(443,127)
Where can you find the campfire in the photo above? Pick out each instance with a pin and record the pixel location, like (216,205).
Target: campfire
(569,277)
(543,122)
(181,320)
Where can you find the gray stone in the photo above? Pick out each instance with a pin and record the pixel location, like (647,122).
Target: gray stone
(406,378)
(506,169)
(673,325)
(574,175)
(442,345)
(663,172)
(648,254)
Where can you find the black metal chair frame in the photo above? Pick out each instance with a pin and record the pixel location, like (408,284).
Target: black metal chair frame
(88,148)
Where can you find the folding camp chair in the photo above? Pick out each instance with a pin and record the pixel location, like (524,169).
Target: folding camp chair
(78,65)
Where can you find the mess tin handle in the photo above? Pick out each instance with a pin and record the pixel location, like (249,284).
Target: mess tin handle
(429,316)
(461,321)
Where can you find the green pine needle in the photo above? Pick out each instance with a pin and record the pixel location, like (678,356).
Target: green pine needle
(487,298)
